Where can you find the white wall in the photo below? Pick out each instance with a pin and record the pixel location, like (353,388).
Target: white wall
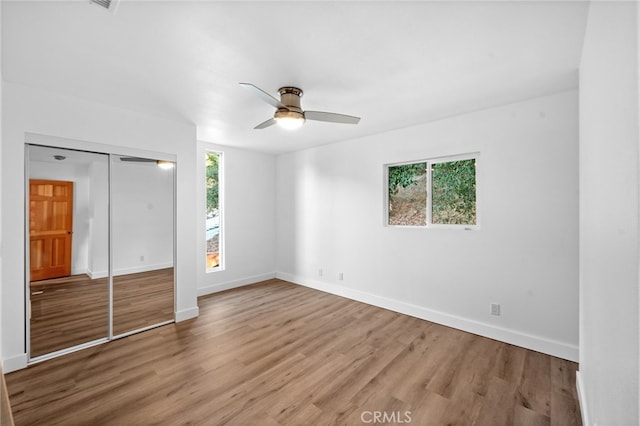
(32,110)
(248,194)
(98,252)
(142,217)
(330,215)
(1,145)
(609,165)
(79,175)
(1,156)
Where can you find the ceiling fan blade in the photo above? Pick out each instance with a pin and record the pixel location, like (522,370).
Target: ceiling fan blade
(264,95)
(331,117)
(265,124)
(138,159)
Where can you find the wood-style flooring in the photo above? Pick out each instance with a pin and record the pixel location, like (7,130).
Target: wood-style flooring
(73,310)
(276,353)
(6,417)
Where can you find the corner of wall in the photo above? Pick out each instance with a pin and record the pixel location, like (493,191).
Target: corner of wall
(582,399)
(608,383)
(638,123)
(15,363)
(1,120)
(187,314)
(228,285)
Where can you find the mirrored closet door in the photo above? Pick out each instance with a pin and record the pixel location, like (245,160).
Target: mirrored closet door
(100,238)
(142,220)
(68,246)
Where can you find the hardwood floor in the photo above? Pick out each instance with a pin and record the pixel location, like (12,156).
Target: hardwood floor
(73,310)
(280,354)
(66,312)
(143,299)
(6,417)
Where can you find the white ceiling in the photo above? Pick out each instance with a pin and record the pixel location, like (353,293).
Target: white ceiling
(394,64)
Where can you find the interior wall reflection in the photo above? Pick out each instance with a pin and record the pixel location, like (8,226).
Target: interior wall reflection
(142,219)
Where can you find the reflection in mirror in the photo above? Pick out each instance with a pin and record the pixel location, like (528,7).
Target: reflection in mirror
(68,248)
(142,212)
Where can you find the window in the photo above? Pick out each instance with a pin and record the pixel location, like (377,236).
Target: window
(433,193)
(408,194)
(214,211)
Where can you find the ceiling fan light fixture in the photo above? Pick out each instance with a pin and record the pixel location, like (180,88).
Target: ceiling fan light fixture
(289,119)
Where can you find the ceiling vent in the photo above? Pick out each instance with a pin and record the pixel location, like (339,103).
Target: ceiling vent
(110,5)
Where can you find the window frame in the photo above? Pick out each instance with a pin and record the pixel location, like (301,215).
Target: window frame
(221,232)
(429,208)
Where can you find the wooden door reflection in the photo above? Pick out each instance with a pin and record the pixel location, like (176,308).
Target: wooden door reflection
(50,228)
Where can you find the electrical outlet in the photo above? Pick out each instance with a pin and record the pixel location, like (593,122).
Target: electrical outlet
(495,309)
(141,258)
(320,272)
(341,276)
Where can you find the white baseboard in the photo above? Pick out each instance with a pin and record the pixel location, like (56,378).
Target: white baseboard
(15,363)
(203,291)
(514,337)
(582,399)
(97,275)
(131,270)
(187,314)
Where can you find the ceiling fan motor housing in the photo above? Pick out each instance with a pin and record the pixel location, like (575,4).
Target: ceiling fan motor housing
(290,97)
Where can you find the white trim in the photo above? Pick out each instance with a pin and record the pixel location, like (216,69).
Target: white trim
(514,337)
(96,275)
(66,351)
(582,399)
(15,363)
(221,214)
(203,291)
(132,270)
(439,159)
(109,274)
(174,242)
(140,330)
(27,255)
(186,314)
(81,145)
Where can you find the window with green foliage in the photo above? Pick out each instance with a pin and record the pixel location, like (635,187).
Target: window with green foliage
(453,187)
(408,194)
(214,212)
(433,193)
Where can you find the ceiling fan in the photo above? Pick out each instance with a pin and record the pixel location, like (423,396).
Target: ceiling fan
(289,114)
